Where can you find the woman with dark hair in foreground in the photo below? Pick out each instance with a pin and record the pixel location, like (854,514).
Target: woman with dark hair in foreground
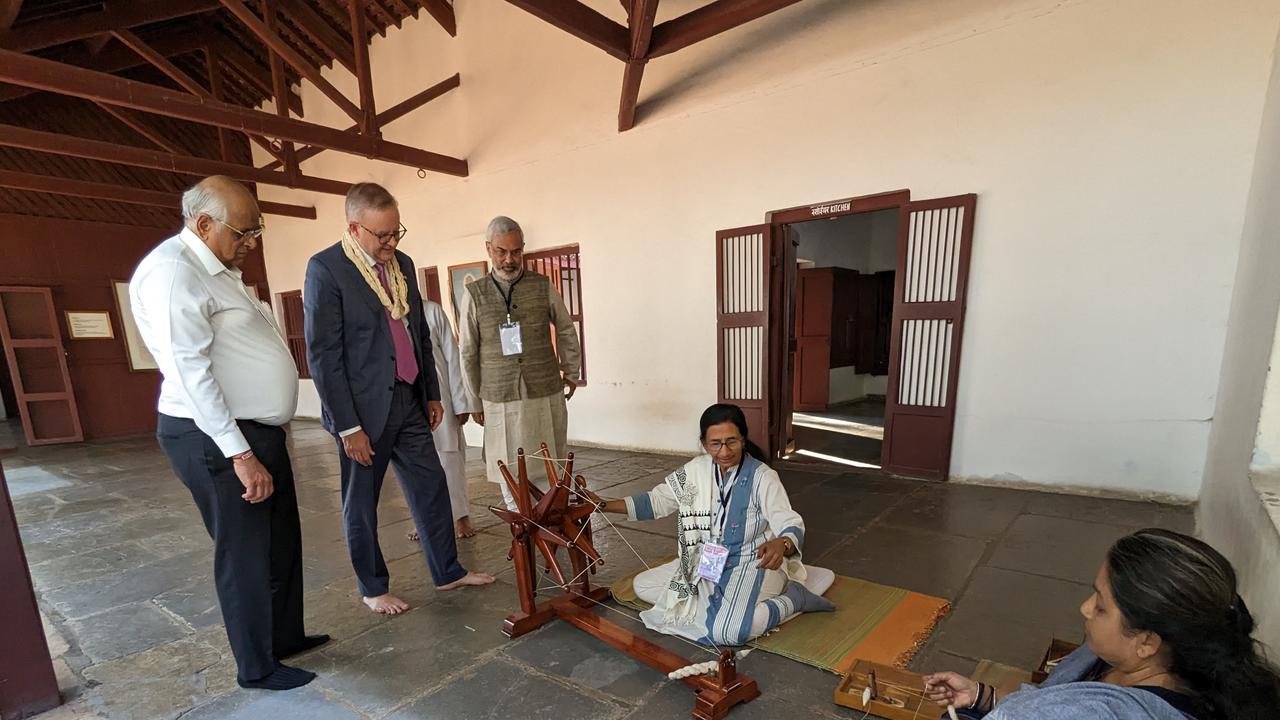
(738,572)
(1167,638)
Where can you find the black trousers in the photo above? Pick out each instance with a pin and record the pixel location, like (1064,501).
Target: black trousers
(257,548)
(405,444)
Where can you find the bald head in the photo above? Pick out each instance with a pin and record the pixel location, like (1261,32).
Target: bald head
(224,214)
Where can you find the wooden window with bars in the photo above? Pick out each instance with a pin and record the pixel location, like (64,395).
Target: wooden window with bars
(291,309)
(563,266)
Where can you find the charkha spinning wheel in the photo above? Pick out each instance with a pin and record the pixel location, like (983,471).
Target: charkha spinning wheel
(559,518)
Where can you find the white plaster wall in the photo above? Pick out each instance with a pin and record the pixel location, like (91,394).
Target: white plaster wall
(1231,515)
(1266,451)
(1110,145)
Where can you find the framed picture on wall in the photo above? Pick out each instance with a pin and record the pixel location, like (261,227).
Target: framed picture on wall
(460,276)
(139,356)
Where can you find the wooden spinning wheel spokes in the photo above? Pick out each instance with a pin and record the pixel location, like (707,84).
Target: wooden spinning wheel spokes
(557,518)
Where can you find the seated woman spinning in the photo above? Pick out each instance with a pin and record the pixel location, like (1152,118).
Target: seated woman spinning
(738,572)
(1167,638)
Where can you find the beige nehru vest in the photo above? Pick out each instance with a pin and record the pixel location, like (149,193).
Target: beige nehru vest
(500,374)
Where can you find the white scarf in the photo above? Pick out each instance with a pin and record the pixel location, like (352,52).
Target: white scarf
(694,487)
(398,302)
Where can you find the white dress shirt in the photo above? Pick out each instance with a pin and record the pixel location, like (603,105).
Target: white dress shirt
(373,264)
(222,354)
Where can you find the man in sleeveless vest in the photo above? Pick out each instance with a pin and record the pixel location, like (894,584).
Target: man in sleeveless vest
(508,358)
(369,352)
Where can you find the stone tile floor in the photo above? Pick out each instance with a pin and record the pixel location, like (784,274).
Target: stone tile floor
(122,568)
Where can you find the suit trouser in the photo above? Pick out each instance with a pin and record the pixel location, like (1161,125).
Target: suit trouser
(257,547)
(406,444)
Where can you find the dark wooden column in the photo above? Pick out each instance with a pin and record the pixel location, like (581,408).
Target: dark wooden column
(27,682)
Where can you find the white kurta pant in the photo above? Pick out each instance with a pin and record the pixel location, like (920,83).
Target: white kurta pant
(451,444)
(524,423)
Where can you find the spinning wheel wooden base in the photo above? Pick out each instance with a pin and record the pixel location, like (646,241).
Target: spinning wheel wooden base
(561,518)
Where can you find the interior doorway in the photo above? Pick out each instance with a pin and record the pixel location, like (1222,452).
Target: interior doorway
(844,273)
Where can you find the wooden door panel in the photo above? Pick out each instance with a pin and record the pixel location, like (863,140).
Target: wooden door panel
(743,279)
(38,366)
(935,238)
(813,368)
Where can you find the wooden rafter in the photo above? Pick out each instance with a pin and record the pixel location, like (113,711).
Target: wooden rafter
(442,11)
(319,30)
(9,12)
(42,74)
(279,88)
(278,46)
(386,116)
(582,22)
(139,126)
(175,73)
(248,69)
(213,69)
(114,59)
(368,120)
(640,17)
(707,21)
(178,162)
(125,194)
(118,15)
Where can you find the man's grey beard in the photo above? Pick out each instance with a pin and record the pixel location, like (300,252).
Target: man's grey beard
(507,276)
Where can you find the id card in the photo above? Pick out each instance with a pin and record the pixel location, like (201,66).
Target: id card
(509,333)
(711,562)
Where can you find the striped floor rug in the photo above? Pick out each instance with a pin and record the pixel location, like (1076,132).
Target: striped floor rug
(872,622)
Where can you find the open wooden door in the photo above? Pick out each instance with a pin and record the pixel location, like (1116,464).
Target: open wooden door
(928,323)
(38,365)
(815,291)
(744,344)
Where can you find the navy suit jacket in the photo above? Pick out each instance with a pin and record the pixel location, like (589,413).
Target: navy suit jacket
(350,352)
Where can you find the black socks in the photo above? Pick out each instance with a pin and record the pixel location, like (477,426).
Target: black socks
(806,601)
(284,678)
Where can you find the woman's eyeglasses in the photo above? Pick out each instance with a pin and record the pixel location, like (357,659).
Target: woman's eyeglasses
(714,446)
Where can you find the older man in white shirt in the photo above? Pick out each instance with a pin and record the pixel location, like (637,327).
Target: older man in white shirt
(229,385)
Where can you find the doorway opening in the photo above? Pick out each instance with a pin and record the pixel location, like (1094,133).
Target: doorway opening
(844,273)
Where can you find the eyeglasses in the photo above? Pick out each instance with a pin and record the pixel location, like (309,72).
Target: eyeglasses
(251,233)
(714,446)
(385,236)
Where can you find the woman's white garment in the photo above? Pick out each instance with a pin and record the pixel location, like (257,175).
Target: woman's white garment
(758,510)
(454,396)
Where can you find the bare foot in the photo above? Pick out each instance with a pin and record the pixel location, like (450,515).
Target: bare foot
(464,527)
(387,604)
(471,578)
(412,535)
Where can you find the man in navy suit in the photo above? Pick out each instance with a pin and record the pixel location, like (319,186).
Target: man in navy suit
(369,351)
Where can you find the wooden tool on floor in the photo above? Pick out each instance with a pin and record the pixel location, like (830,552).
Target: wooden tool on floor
(561,518)
(888,692)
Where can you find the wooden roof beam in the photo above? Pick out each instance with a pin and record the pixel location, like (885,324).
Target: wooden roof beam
(640,18)
(115,59)
(291,56)
(248,68)
(118,15)
(125,194)
(42,74)
(368,120)
(442,11)
(708,21)
(582,22)
(305,17)
(174,73)
(9,10)
(139,126)
(393,113)
(176,162)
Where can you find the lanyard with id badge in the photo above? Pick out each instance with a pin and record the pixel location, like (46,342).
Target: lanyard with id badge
(509,331)
(714,555)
